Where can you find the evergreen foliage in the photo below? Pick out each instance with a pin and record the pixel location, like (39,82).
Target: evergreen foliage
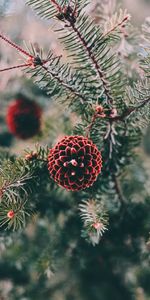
(113,111)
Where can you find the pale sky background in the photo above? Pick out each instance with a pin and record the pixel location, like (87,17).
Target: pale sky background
(138,8)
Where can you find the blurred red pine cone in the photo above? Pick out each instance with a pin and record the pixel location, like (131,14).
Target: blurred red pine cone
(24,118)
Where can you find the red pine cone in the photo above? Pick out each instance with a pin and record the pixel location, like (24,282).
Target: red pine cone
(24,118)
(74,163)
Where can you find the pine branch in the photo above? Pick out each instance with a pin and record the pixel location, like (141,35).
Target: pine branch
(58,7)
(115,23)
(88,47)
(53,9)
(130,110)
(14,177)
(40,154)
(19,49)
(66,85)
(32,60)
(56,80)
(94,61)
(118,190)
(95,219)
(15,67)
(59,80)
(13,213)
(17,181)
(35,61)
(110,138)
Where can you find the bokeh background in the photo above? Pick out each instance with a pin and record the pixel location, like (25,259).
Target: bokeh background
(18,22)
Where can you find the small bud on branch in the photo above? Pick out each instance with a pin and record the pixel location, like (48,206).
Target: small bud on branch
(94,216)
(32,60)
(10,214)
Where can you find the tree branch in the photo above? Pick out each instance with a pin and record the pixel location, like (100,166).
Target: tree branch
(118,189)
(130,110)
(82,98)
(15,67)
(119,24)
(71,21)
(94,61)
(19,49)
(35,61)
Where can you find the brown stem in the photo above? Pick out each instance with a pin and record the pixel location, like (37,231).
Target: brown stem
(89,52)
(15,46)
(118,189)
(33,60)
(121,23)
(58,7)
(89,127)
(94,61)
(15,67)
(128,111)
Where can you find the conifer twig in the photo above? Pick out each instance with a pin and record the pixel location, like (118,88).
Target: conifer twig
(19,49)
(118,190)
(36,61)
(62,82)
(15,67)
(89,127)
(130,110)
(94,61)
(119,24)
(91,56)
(58,7)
